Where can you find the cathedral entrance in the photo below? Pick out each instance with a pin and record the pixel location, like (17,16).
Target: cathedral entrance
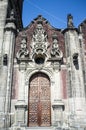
(39,101)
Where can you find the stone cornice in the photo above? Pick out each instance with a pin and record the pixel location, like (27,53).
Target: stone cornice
(70,29)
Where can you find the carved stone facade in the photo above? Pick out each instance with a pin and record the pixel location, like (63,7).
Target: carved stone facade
(43,72)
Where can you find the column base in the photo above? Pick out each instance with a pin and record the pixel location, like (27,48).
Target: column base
(20,109)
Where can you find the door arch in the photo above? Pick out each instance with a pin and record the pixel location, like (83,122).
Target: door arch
(39,111)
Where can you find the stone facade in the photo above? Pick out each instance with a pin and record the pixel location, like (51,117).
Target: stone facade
(43,72)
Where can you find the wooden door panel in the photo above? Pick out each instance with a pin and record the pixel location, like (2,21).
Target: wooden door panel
(39,100)
(33,109)
(45,118)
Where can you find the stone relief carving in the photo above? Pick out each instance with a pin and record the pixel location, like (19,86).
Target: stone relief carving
(39,34)
(23,53)
(55,52)
(39,41)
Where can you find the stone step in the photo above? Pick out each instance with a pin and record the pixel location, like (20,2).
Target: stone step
(32,128)
(39,128)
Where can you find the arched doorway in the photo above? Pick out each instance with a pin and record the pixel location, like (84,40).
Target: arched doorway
(39,113)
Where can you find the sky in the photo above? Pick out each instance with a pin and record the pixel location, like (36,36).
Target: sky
(55,11)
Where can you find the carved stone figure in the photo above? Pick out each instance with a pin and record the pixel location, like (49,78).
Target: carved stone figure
(12,14)
(70,21)
(23,52)
(55,52)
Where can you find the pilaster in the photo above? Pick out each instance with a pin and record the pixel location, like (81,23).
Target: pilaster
(3,14)
(8,52)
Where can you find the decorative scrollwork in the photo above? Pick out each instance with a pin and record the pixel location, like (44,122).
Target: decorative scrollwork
(39,41)
(39,34)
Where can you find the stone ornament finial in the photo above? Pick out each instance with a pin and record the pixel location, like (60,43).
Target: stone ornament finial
(70,21)
(12,14)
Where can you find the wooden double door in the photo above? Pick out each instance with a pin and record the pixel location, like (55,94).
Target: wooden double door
(39,113)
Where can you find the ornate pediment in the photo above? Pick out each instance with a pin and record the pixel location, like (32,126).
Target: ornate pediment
(43,42)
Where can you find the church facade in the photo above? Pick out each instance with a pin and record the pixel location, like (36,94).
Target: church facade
(42,72)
